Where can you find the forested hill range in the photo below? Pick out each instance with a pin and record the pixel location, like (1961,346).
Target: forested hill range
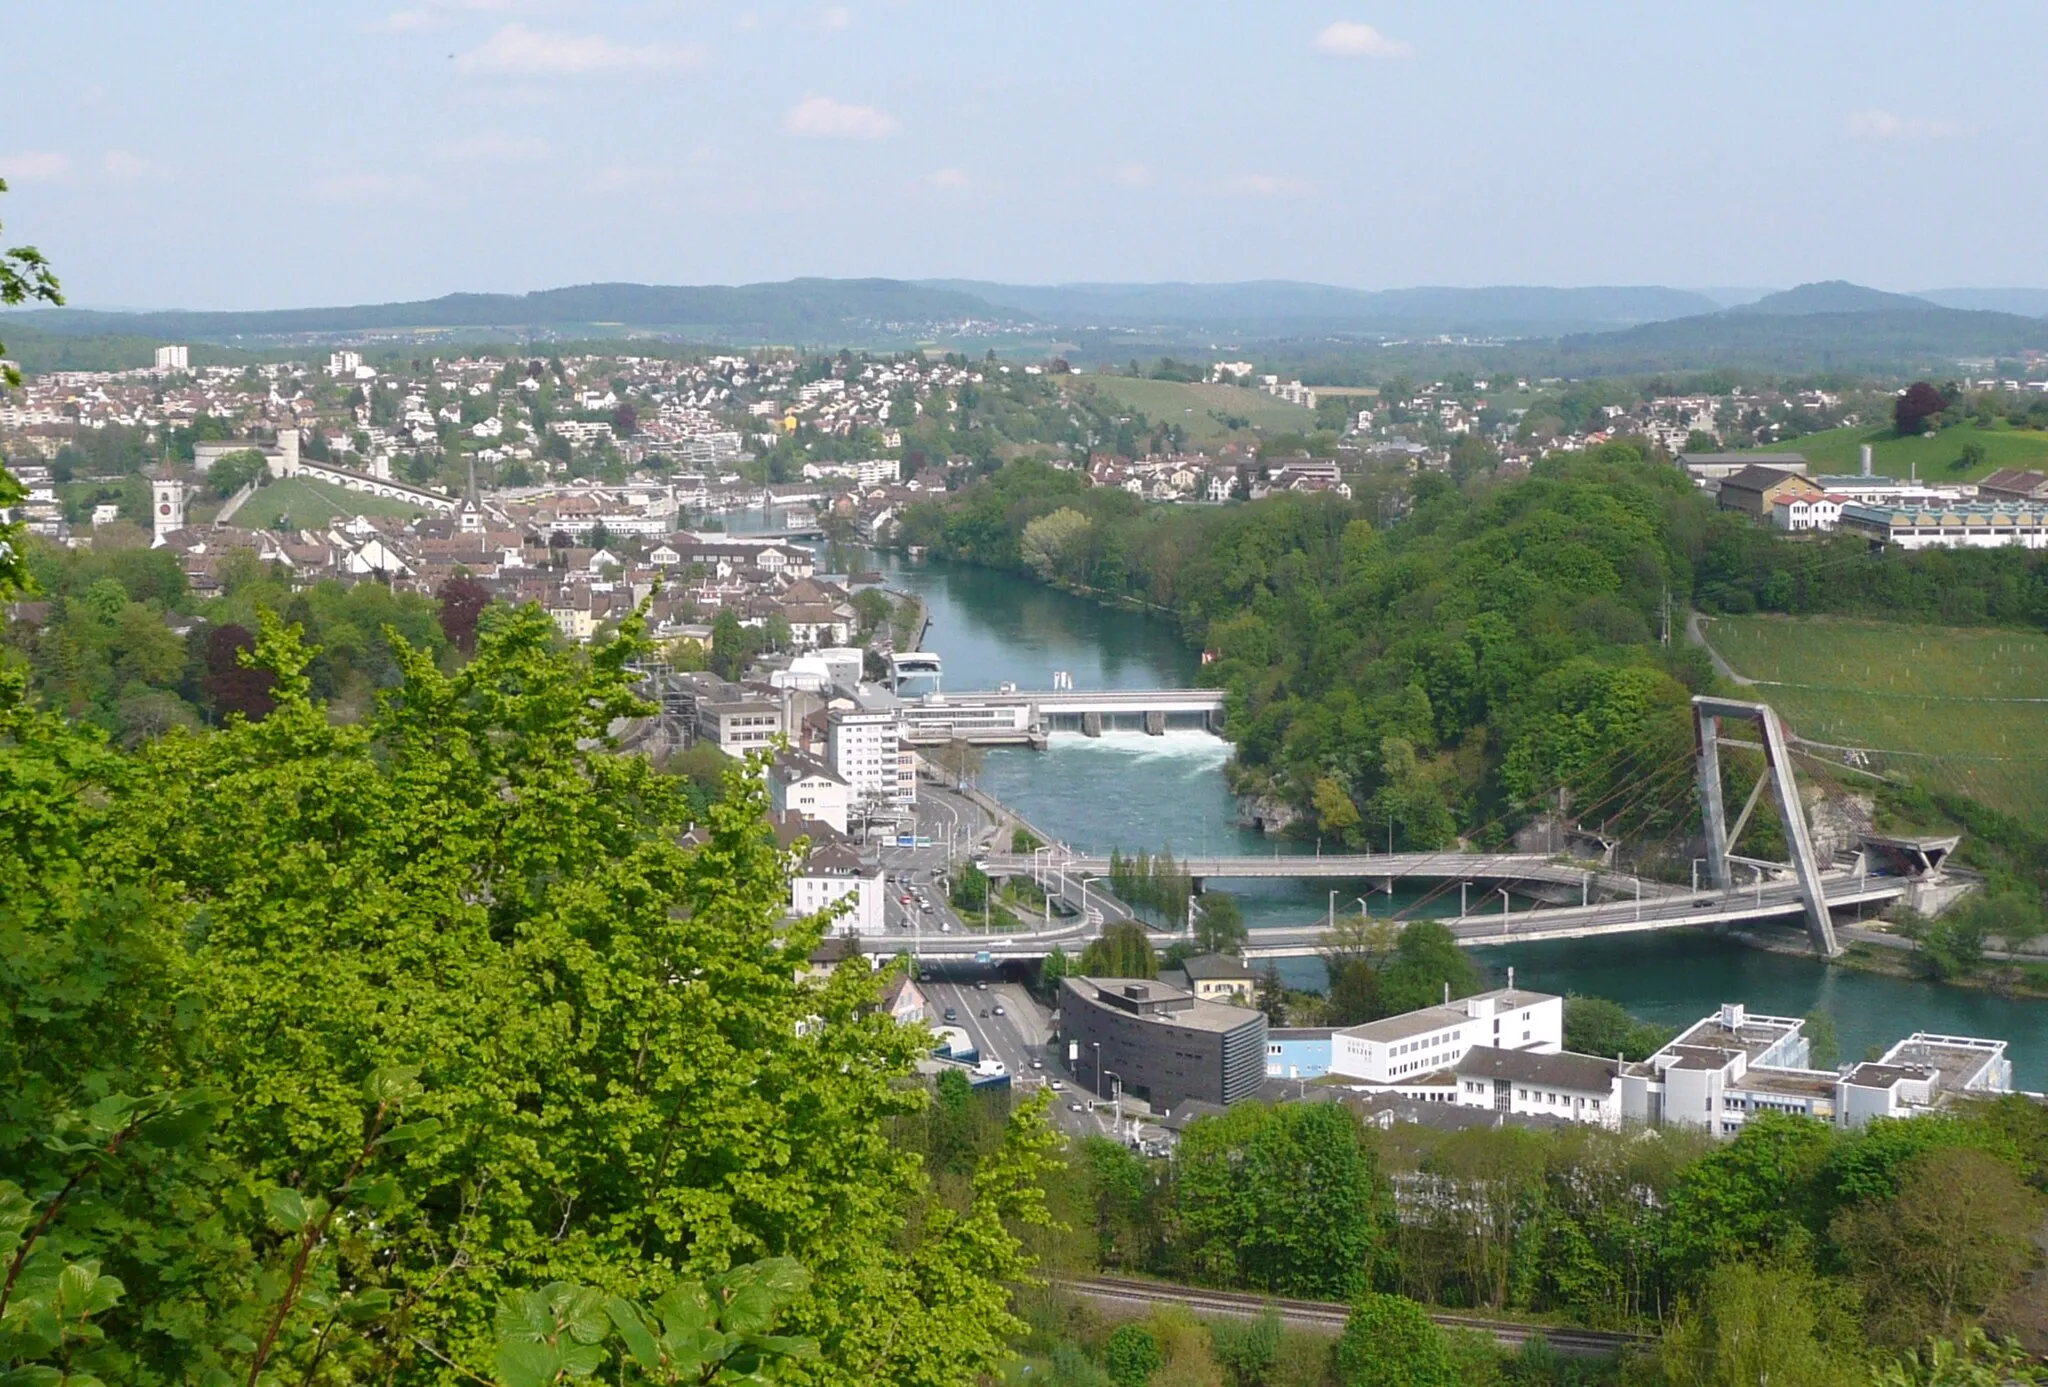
(1582,330)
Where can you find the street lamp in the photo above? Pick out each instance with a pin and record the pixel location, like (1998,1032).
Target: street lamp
(1096,1046)
(1364,913)
(1504,909)
(1117,1093)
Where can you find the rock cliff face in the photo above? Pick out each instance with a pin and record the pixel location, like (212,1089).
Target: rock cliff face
(1836,822)
(1266,814)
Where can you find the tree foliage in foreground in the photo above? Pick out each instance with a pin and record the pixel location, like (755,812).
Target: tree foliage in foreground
(326,1041)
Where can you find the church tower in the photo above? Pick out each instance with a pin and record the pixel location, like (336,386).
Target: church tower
(167,505)
(469,516)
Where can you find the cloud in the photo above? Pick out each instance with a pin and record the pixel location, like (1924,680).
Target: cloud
(353,187)
(1348,39)
(124,167)
(833,18)
(1130,174)
(34,165)
(1264,185)
(822,118)
(1874,124)
(952,180)
(491,149)
(519,51)
(409,21)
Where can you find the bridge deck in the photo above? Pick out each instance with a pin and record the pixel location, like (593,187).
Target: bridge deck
(1777,901)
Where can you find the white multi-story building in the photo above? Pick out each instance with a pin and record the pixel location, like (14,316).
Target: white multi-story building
(865,748)
(1431,1042)
(1577,1088)
(833,873)
(174,358)
(801,784)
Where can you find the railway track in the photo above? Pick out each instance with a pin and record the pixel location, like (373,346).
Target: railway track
(1330,1315)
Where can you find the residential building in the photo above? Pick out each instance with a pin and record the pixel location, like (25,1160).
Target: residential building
(1212,978)
(832,872)
(905,1001)
(1161,1042)
(739,723)
(174,358)
(804,785)
(864,746)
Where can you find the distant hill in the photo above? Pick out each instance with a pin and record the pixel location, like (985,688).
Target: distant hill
(798,310)
(1833,296)
(2032,303)
(1280,306)
(1815,327)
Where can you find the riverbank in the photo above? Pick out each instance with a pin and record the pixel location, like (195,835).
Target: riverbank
(2023,978)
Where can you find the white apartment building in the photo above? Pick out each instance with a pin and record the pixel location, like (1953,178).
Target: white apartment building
(865,748)
(173,358)
(834,873)
(1433,1041)
(803,785)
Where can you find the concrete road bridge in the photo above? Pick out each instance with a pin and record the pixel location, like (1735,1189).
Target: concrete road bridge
(1579,878)
(1766,902)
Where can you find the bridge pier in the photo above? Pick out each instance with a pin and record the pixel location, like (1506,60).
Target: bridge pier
(1155,724)
(1091,724)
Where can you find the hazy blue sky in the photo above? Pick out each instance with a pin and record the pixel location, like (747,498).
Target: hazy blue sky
(230,154)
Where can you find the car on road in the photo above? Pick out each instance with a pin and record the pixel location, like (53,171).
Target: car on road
(984,1013)
(945,927)
(1056,1086)
(952,1013)
(1038,1064)
(999,1009)
(1703,905)
(981,987)
(1073,1107)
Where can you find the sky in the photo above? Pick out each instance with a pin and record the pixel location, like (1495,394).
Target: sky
(228,154)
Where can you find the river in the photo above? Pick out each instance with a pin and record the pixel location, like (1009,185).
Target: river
(1127,790)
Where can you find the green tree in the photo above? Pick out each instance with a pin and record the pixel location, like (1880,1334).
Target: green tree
(1132,1356)
(1389,1341)
(1757,1196)
(1219,924)
(1124,950)
(1284,1199)
(1048,542)
(1597,1026)
(1955,1237)
(624,1064)
(233,471)
(1753,1325)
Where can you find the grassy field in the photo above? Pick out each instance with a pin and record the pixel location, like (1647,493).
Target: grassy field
(1837,451)
(1200,409)
(1927,698)
(308,503)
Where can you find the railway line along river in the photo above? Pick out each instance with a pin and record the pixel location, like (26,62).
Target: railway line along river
(1128,790)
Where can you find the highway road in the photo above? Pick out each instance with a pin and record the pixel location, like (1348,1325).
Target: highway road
(1023,1033)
